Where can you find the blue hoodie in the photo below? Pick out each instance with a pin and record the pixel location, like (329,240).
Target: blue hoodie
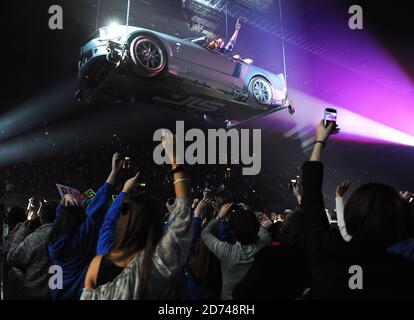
(107,234)
(405,248)
(73,253)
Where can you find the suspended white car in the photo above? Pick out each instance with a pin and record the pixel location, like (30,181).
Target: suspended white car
(124,63)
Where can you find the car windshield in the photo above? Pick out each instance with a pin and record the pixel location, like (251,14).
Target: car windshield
(199,40)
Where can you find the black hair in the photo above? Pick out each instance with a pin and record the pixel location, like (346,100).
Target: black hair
(69,219)
(292,230)
(244,225)
(47,213)
(204,266)
(375,212)
(139,228)
(15,216)
(274,231)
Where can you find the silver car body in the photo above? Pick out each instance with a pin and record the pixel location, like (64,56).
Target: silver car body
(189,60)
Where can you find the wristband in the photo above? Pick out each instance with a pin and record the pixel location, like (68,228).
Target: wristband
(321,142)
(180,180)
(179,168)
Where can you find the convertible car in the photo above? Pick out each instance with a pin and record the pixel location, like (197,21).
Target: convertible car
(125,63)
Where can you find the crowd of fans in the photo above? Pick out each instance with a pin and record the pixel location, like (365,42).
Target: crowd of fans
(211,243)
(81,164)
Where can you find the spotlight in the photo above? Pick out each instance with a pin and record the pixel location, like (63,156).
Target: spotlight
(113,31)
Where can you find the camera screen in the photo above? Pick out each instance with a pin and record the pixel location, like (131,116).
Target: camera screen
(330,116)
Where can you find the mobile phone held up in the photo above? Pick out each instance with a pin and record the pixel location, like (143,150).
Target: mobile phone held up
(292,183)
(329,116)
(127,162)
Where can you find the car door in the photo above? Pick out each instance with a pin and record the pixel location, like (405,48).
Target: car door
(216,70)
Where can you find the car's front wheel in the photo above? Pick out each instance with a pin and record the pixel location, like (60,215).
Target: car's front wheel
(260,93)
(148,55)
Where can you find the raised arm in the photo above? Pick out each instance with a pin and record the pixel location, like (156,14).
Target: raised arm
(236,32)
(312,197)
(197,222)
(232,42)
(219,248)
(313,174)
(296,193)
(339,202)
(97,207)
(173,248)
(95,212)
(322,136)
(107,233)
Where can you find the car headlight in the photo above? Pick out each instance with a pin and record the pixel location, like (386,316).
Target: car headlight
(114,31)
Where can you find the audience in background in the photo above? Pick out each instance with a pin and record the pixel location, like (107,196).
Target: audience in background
(219,248)
(14,219)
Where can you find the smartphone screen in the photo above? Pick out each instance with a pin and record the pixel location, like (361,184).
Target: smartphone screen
(330,116)
(127,163)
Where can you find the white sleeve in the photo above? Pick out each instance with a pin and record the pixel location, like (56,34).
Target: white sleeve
(340,217)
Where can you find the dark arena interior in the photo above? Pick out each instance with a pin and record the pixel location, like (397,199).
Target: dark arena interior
(231,95)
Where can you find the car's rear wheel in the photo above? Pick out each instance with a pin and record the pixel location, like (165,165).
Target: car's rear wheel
(148,55)
(260,93)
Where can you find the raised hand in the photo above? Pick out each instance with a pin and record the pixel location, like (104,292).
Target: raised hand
(295,189)
(217,203)
(195,202)
(168,143)
(407,196)
(296,193)
(70,200)
(238,24)
(343,188)
(205,202)
(131,183)
(116,163)
(265,221)
(116,167)
(323,133)
(224,210)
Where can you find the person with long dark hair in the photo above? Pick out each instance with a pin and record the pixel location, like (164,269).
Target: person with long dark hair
(73,239)
(200,278)
(135,260)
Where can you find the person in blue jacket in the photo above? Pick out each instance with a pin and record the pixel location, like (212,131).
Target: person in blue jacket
(74,236)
